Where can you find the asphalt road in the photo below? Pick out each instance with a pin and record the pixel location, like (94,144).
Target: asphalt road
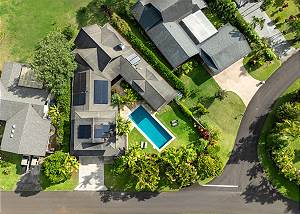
(253,194)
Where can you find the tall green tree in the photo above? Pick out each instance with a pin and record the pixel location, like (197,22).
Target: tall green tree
(142,166)
(54,62)
(178,165)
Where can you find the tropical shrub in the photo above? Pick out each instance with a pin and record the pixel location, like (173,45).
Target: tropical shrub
(200,109)
(285,132)
(208,166)
(142,166)
(123,126)
(59,167)
(178,165)
(68,32)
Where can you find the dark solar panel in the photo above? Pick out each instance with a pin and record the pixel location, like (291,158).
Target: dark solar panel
(79,89)
(84,132)
(102,131)
(100,91)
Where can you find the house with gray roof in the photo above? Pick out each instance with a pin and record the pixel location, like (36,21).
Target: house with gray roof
(180,30)
(103,58)
(23,109)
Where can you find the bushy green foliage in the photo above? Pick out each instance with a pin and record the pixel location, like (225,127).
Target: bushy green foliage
(200,109)
(288,111)
(285,132)
(142,166)
(179,167)
(148,55)
(208,166)
(123,126)
(59,167)
(69,32)
(54,64)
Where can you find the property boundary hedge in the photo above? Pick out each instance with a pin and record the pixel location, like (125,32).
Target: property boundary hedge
(150,57)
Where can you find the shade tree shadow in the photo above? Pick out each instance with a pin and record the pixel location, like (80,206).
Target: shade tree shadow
(125,196)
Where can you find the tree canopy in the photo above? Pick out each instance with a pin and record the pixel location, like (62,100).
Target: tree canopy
(59,167)
(54,62)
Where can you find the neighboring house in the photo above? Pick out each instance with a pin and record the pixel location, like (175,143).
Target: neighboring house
(23,108)
(104,57)
(180,30)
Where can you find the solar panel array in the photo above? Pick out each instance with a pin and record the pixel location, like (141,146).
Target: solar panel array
(100,92)
(79,89)
(84,131)
(101,131)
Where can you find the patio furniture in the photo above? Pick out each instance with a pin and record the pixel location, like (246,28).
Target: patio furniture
(174,123)
(34,161)
(144,144)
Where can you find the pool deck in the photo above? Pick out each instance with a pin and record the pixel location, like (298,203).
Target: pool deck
(152,113)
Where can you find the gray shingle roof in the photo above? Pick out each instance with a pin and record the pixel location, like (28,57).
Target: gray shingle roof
(22,107)
(224,48)
(172,42)
(160,20)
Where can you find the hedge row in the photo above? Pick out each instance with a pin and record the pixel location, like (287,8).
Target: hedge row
(149,56)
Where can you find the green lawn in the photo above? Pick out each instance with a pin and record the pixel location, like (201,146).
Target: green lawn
(292,9)
(24,23)
(11,164)
(284,186)
(224,115)
(263,72)
(68,185)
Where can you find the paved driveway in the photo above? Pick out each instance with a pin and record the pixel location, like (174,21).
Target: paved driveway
(278,42)
(91,174)
(235,78)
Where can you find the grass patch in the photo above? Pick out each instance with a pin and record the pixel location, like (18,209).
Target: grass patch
(25,23)
(285,28)
(68,185)
(221,112)
(284,186)
(11,164)
(117,183)
(263,72)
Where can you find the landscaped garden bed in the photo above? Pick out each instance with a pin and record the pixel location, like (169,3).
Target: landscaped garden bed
(285,18)
(262,72)
(269,154)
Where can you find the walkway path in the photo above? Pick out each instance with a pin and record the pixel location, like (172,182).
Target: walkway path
(278,42)
(235,78)
(91,174)
(253,195)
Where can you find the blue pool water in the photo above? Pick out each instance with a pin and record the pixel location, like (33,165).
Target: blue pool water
(150,127)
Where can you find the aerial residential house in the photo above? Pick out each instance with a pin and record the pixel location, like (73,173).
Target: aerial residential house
(23,109)
(180,30)
(103,58)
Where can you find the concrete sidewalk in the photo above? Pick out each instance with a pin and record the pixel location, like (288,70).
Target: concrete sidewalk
(277,41)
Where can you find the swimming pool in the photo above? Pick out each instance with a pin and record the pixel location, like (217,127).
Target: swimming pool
(151,128)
